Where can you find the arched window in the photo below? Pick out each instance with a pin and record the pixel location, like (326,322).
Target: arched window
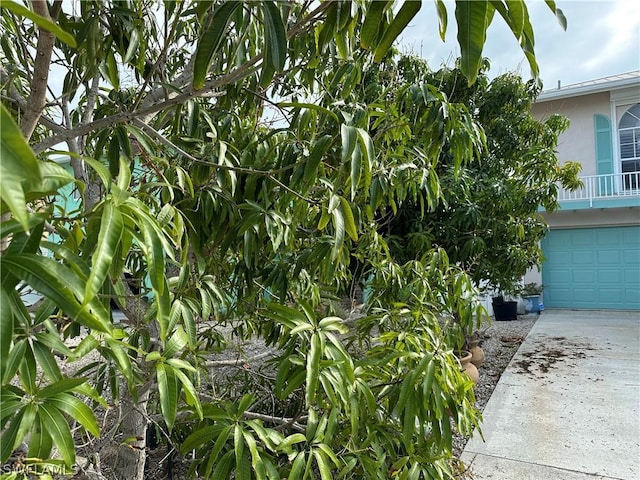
(629,130)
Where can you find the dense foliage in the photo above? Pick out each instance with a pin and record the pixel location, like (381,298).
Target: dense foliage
(209,227)
(488,220)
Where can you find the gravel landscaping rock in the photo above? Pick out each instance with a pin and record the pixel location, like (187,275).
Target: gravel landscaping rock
(500,341)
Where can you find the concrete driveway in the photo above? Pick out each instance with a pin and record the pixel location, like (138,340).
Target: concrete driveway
(568,405)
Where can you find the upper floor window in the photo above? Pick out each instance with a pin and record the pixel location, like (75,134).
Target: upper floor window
(629,130)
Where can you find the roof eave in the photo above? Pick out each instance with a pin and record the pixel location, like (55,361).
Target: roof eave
(577,91)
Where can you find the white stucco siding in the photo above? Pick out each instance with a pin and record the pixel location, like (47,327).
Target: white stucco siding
(578,142)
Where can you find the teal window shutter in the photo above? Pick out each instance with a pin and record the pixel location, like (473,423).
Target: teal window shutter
(604,154)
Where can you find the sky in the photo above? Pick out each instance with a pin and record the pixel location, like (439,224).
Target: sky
(602,39)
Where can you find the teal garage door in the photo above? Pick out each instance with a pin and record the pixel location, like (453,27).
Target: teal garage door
(597,268)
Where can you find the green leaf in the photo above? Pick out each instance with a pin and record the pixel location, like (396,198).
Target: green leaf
(558,13)
(15,358)
(168,391)
(406,13)
(297,469)
(349,141)
(121,358)
(223,467)
(323,467)
(154,252)
(27,371)
(319,150)
(338,226)
(134,43)
(40,443)
(111,228)
(101,170)
(372,23)
(473,19)
(57,427)
(275,39)
(60,386)
(190,392)
(112,70)
(211,41)
(77,410)
(311,106)
(176,343)
(39,20)
(199,437)
(6,329)
(349,221)
(58,283)
(47,362)
(113,155)
(19,168)
(313,369)
(9,439)
(243,471)
(256,460)
(441,9)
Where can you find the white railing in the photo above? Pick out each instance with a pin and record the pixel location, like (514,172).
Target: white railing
(598,187)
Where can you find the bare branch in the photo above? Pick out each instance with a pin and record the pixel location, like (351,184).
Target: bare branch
(239,361)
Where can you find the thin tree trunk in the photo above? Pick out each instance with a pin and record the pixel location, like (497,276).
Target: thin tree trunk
(131,458)
(42,63)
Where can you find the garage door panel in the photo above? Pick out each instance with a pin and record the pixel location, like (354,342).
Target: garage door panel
(631,256)
(583,294)
(582,276)
(582,238)
(581,257)
(631,277)
(630,237)
(610,295)
(632,295)
(610,277)
(606,238)
(592,268)
(608,257)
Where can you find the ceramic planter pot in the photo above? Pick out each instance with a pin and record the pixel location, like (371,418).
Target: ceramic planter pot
(469,368)
(477,353)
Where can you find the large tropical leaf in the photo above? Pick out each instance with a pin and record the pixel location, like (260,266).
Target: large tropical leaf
(19,168)
(371,26)
(406,13)
(39,20)
(6,329)
(474,18)
(168,391)
(58,428)
(111,228)
(77,410)
(211,41)
(60,284)
(275,39)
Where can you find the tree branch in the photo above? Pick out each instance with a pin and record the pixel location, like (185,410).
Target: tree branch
(162,139)
(42,63)
(152,102)
(233,363)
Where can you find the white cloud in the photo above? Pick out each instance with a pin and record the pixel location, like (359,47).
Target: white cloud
(602,38)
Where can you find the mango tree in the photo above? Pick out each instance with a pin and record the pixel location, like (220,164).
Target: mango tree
(205,223)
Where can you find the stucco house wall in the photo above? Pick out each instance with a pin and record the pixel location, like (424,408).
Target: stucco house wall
(592,252)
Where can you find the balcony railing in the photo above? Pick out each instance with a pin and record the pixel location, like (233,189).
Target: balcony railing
(600,187)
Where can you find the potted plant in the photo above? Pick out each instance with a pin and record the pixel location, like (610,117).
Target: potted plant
(530,293)
(504,309)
